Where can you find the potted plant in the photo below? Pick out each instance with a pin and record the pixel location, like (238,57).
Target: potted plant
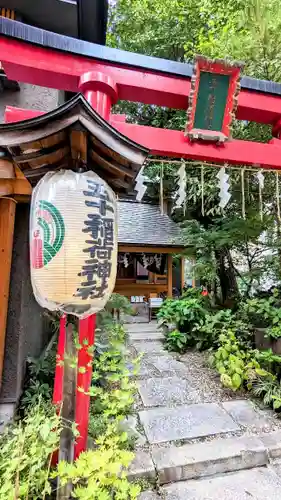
(273,334)
(264,314)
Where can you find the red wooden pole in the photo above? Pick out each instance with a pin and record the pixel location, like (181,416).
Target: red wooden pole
(100,91)
(84,376)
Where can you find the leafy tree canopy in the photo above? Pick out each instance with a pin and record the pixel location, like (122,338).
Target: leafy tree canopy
(248,30)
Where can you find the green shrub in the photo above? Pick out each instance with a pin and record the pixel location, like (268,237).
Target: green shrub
(176,341)
(112,390)
(237,366)
(116,302)
(270,362)
(100,474)
(39,382)
(25,463)
(206,332)
(273,332)
(26,448)
(264,312)
(183,313)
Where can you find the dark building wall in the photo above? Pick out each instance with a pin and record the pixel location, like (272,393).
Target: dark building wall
(27,329)
(29,97)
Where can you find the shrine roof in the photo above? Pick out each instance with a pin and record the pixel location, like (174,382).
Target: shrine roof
(143,224)
(43,38)
(72,136)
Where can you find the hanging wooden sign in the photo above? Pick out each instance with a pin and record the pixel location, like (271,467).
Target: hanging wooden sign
(213,99)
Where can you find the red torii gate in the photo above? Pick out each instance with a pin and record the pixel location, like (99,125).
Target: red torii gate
(107,75)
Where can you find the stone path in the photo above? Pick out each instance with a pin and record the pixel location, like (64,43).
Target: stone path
(195,440)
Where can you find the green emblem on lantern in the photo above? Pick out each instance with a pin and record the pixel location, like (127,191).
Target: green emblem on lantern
(49,234)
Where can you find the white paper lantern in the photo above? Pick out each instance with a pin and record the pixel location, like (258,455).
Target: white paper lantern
(73,242)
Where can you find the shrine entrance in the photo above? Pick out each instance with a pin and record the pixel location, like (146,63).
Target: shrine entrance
(84,134)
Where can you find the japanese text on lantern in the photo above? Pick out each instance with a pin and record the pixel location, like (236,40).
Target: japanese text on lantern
(100,227)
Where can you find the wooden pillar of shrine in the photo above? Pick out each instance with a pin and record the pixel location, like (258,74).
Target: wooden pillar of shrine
(170,275)
(7,222)
(12,185)
(182,274)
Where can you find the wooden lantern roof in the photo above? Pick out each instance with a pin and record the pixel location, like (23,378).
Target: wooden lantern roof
(69,137)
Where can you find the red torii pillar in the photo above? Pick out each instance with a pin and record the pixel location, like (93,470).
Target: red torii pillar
(101,93)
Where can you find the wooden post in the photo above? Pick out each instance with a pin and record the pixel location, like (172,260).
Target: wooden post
(170,275)
(182,262)
(58,385)
(66,451)
(7,223)
(59,373)
(193,277)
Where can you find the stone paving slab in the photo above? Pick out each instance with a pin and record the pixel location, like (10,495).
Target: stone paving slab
(130,425)
(254,484)
(272,443)
(139,327)
(149,348)
(244,413)
(165,391)
(185,422)
(148,495)
(158,366)
(142,466)
(193,461)
(167,365)
(7,411)
(144,335)
(146,369)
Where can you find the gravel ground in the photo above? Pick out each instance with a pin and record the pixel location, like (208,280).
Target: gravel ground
(208,389)
(205,380)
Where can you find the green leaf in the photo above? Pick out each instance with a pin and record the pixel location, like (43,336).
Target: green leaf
(236,381)
(44,431)
(277,404)
(226,380)
(224,353)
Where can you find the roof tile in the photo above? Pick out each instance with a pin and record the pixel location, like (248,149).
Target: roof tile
(143,224)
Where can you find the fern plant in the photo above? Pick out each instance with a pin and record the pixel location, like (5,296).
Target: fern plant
(269,389)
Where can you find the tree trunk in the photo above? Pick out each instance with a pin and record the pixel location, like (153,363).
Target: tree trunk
(279,248)
(227,277)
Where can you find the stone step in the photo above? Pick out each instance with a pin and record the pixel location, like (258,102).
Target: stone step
(181,416)
(193,461)
(158,366)
(167,391)
(177,467)
(186,422)
(149,348)
(149,495)
(139,326)
(256,484)
(145,335)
